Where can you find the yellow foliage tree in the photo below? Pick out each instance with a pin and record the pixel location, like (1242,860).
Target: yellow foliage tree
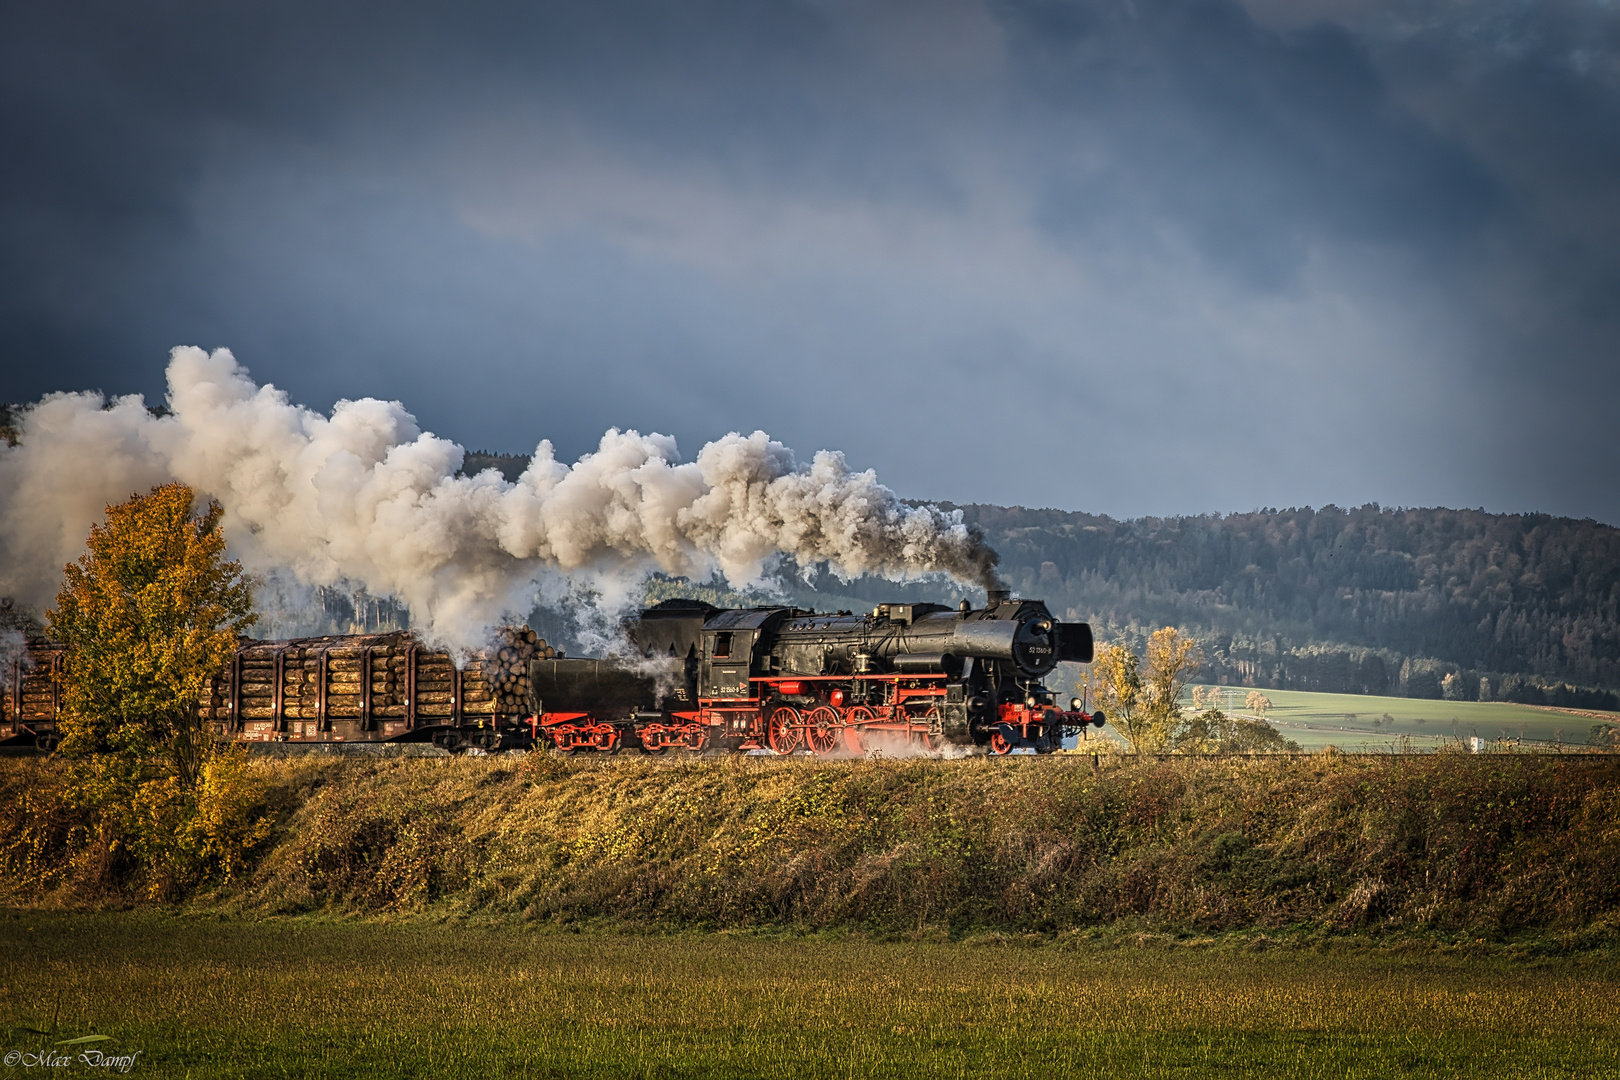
(1143,700)
(148,614)
(1116,688)
(1172,659)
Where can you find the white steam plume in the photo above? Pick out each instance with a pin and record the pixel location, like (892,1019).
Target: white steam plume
(13,649)
(365,498)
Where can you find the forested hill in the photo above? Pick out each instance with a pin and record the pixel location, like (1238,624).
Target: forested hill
(1425,602)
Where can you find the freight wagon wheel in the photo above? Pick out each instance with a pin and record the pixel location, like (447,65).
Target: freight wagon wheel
(783,730)
(821,729)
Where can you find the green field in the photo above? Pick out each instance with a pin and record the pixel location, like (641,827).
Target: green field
(1347,721)
(303,997)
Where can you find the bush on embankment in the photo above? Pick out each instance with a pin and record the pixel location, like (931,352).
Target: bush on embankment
(1451,843)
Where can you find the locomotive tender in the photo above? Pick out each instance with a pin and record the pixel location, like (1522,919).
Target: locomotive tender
(917,676)
(906,676)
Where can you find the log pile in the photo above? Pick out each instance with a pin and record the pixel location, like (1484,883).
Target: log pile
(30,685)
(505,667)
(372,677)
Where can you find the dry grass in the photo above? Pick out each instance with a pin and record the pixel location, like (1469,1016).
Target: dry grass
(1442,845)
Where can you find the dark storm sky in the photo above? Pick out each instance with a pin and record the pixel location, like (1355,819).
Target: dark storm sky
(1130,257)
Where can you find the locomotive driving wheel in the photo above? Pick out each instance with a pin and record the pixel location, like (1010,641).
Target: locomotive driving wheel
(934,738)
(999,744)
(854,718)
(783,731)
(821,729)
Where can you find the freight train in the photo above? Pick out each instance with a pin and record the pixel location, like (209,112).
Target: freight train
(694,678)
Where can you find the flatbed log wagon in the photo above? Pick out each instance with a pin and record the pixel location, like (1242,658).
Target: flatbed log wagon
(349,688)
(32,698)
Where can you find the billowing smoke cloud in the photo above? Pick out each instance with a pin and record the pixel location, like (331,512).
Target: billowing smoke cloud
(363,498)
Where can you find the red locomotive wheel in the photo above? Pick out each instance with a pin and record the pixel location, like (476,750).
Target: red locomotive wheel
(933,738)
(999,744)
(783,732)
(821,729)
(854,718)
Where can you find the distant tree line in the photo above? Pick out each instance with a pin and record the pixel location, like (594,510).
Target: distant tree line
(1431,603)
(510,466)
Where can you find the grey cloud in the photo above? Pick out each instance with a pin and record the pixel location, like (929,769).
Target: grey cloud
(1259,144)
(1128,257)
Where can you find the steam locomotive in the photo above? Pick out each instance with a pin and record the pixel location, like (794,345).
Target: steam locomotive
(918,676)
(905,676)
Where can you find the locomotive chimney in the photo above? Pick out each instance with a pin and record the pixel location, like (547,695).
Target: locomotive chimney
(993,597)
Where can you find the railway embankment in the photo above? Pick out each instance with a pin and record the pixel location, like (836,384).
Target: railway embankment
(1497,847)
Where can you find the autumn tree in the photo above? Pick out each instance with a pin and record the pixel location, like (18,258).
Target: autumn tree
(1215,732)
(148,613)
(1116,689)
(1142,700)
(1257,703)
(1172,659)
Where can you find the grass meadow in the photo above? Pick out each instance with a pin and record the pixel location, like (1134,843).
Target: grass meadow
(308,996)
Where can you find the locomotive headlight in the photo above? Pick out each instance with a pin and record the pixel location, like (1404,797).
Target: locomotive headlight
(1074,704)
(1041,626)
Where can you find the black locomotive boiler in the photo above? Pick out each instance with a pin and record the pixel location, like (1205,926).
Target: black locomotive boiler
(921,676)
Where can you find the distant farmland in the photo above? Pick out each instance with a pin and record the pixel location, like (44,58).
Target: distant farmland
(1356,722)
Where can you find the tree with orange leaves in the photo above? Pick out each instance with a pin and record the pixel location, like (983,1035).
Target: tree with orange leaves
(149,613)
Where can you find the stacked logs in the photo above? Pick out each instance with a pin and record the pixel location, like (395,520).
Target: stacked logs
(30,687)
(370,677)
(505,667)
